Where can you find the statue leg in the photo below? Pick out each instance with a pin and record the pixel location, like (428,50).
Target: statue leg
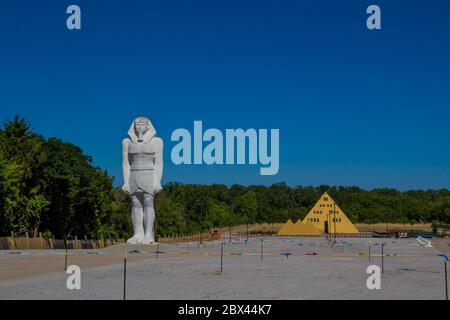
(137,217)
(149,219)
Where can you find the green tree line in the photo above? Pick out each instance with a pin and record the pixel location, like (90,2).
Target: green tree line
(50,186)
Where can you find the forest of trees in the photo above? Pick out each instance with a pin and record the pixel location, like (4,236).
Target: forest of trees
(50,186)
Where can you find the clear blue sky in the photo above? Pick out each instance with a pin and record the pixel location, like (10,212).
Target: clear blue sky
(354,107)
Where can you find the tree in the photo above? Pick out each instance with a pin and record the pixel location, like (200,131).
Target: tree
(80,194)
(11,202)
(170,216)
(246,207)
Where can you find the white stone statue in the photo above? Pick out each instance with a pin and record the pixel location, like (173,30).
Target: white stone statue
(142,164)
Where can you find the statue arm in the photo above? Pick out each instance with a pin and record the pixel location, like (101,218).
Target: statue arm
(125,165)
(159,166)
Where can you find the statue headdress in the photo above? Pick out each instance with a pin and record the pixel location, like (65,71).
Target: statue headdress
(149,134)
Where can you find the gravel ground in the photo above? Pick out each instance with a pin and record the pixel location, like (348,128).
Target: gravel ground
(189,272)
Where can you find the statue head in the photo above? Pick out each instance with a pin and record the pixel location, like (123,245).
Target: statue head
(141,130)
(141,126)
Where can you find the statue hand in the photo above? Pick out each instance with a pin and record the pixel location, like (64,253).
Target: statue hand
(157,188)
(126,188)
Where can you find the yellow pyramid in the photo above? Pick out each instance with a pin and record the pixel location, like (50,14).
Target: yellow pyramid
(324,217)
(299,229)
(329,218)
(287,229)
(310,230)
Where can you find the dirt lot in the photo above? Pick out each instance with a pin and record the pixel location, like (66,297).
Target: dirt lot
(188,271)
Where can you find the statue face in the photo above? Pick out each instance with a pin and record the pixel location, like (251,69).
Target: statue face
(141,129)
(141,126)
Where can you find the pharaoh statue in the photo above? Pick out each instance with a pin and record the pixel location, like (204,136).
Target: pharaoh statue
(142,164)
